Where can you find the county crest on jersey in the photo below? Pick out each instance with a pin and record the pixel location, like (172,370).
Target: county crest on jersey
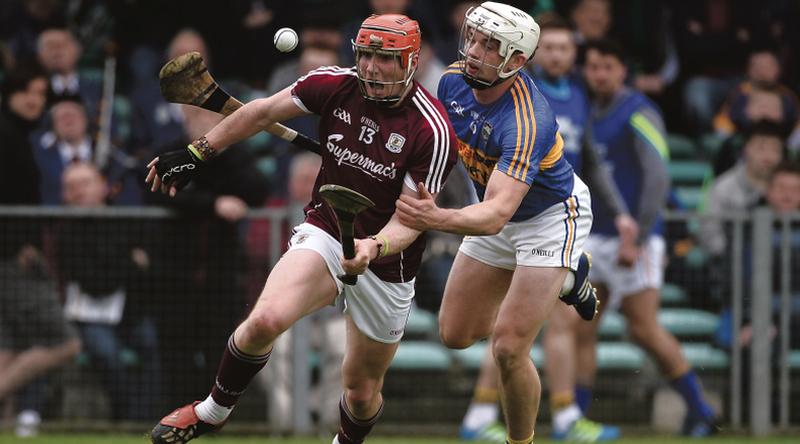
(374,149)
(517,134)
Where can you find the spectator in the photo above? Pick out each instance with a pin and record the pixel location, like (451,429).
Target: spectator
(59,52)
(592,20)
(34,336)
(157,124)
(783,193)
(741,188)
(103,266)
(783,197)
(760,97)
(23,94)
(712,38)
(21,22)
(71,141)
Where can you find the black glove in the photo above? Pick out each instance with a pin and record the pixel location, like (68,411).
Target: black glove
(178,168)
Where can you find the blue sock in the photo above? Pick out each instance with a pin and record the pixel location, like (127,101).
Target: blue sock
(583,397)
(688,386)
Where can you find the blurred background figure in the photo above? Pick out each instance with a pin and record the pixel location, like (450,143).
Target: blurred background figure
(760,97)
(742,187)
(104,268)
(59,52)
(71,141)
(34,336)
(630,135)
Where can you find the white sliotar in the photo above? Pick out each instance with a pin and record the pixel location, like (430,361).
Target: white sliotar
(285,39)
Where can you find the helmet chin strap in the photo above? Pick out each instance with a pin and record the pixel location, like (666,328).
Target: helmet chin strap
(474,83)
(479,84)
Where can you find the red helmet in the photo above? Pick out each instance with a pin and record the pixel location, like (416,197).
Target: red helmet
(388,34)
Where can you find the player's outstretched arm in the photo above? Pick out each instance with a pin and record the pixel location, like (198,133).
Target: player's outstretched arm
(393,238)
(501,200)
(174,169)
(253,117)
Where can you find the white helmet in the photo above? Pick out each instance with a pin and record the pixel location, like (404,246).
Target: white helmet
(514,29)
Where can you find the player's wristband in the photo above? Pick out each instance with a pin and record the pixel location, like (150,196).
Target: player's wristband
(202,150)
(383,245)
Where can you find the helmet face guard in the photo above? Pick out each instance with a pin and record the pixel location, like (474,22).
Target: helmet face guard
(395,89)
(511,29)
(389,40)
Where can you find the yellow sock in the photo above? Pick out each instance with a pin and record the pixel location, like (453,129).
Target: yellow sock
(485,395)
(524,441)
(560,401)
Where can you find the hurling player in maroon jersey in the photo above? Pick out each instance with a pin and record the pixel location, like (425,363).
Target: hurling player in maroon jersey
(381,134)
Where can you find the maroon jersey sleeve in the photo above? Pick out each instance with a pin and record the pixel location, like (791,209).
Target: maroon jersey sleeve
(314,89)
(436,153)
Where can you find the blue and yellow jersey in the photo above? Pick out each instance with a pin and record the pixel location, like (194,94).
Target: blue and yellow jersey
(517,135)
(630,125)
(570,104)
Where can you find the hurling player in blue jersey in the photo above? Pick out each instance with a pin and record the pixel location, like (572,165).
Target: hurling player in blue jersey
(554,74)
(527,231)
(629,132)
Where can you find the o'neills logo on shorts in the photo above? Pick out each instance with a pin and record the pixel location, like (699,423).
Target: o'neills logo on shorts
(358,160)
(540,252)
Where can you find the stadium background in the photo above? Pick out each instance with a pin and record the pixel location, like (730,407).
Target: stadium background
(197,272)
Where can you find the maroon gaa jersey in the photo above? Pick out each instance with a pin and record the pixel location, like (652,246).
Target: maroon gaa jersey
(373,149)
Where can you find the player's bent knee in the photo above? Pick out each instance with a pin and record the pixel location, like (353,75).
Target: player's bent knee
(457,340)
(361,393)
(264,327)
(510,352)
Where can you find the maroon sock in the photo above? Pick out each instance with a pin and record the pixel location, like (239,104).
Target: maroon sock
(351,429)
(235,372)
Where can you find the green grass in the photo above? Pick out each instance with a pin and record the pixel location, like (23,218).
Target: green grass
(132,439)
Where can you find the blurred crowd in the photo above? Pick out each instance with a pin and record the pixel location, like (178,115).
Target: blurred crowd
(81,115)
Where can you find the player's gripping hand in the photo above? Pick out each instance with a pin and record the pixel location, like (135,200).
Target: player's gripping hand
(366,250)
(172,170)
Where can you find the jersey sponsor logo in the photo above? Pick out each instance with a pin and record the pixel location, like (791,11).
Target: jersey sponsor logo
(478,164)
(359,161)
(370,123)
(395,143)
(342,115)
(457,108)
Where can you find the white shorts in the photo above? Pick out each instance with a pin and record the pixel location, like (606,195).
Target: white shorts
(553,238)
(646,273)
(379,309)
